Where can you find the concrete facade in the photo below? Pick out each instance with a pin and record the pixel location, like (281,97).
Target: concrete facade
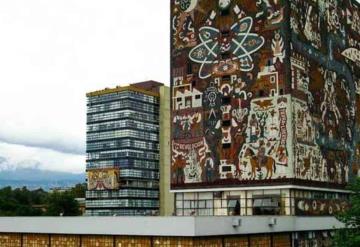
(166,197)
(37,240)
(166,226)
(166,231)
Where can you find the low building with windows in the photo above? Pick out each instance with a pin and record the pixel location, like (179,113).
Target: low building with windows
(127,129)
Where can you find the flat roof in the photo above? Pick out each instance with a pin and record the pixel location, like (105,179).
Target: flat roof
(146,87)
(166,226)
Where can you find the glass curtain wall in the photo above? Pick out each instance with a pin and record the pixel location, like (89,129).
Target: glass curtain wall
(123,136)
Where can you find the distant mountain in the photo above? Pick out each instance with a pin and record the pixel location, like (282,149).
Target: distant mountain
(34,178)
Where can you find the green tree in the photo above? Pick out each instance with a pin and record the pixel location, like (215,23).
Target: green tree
(350,235)
(62,204)
(23,202)
(78,191)
(19,202)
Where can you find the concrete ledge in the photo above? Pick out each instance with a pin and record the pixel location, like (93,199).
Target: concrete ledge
(206,226)
(166,226)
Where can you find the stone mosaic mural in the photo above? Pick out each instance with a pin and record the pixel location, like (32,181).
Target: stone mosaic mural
(311,207)
(103,179)
(325,73)
(264,90)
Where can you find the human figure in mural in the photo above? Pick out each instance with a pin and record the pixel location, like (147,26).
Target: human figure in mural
(282,156)
(262,122)
(273,128)
(254,128)
(267,162)
(343,167)
(318,165)
(209,168)
(261,154)
(309,132)
(196,125)
(187,127)
(298,161)
(331,165)
(311,27)
(178,128)
(192,169)
(179,175)
(328,106)
(356,163)
(306,165)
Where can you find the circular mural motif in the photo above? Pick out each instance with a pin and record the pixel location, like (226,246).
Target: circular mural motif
(314,205)
(241,44)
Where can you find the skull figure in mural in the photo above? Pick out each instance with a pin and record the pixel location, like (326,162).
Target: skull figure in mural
(329,103)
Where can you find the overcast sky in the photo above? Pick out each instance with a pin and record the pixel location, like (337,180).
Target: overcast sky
(52,53)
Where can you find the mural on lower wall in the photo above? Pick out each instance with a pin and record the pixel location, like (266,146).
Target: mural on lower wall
(103,179)
(319,207)
(255,144)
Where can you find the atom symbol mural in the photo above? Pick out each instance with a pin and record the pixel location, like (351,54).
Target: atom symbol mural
(237,44)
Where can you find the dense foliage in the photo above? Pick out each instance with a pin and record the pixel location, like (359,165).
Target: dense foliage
(62,203)
(350,235)
(24,202)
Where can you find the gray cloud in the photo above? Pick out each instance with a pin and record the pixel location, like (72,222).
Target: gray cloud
(6,165)
(55,145)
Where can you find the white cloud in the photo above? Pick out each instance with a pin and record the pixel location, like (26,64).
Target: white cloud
(18,156)
(53,52)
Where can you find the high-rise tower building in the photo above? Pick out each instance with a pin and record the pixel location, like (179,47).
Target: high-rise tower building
(124,139)
(265,106)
